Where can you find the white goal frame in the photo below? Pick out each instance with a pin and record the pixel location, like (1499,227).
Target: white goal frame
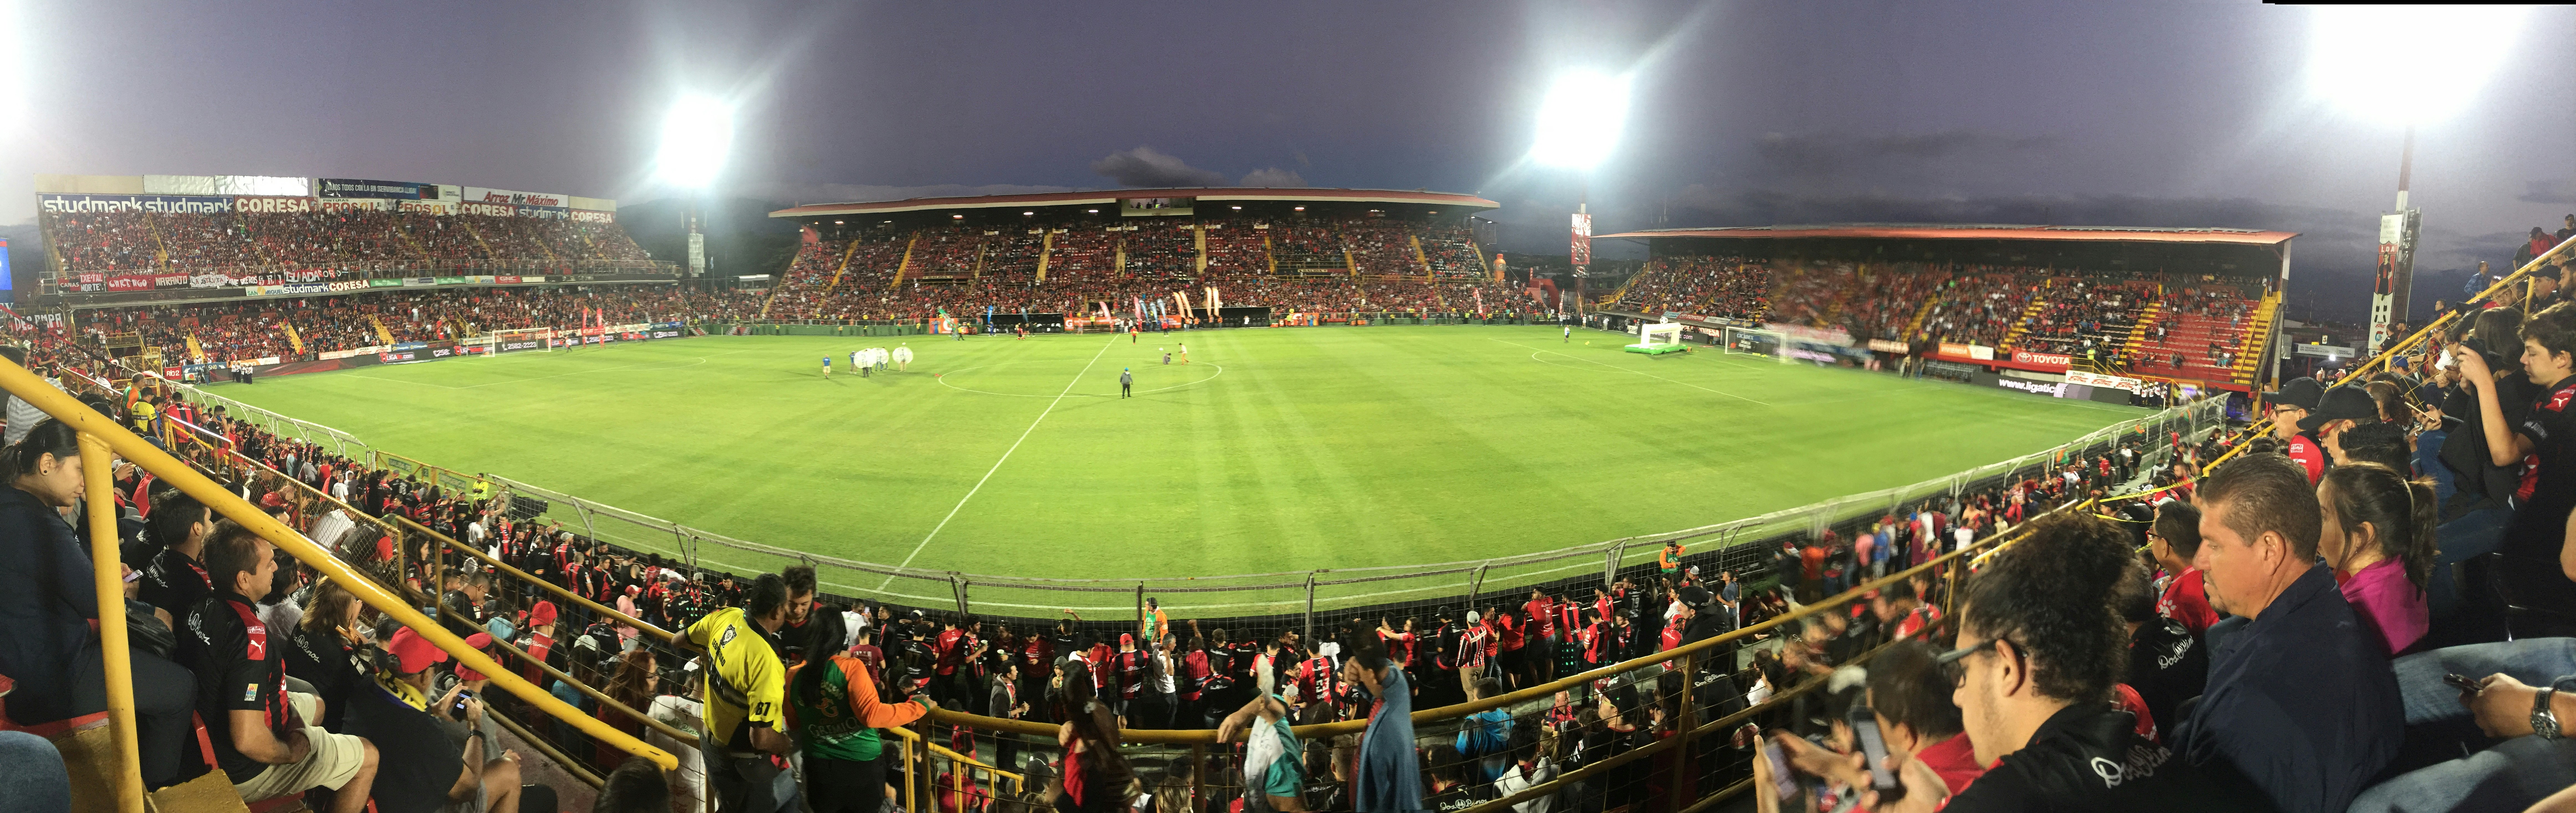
(1741,340)
(495,340)
(1660,333)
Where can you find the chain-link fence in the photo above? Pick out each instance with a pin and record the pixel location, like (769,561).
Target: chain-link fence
(1305,598)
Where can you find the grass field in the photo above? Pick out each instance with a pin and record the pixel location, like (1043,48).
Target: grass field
(1271,450)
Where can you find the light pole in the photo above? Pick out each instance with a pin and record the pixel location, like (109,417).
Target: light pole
(2405,65)
(695,138)
(1578,124)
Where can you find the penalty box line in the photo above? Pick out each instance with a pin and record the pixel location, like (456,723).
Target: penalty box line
(997,464)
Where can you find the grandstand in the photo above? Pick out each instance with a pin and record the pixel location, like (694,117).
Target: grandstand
(2191,307)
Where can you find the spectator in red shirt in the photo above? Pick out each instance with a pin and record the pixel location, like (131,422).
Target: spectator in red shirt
(2173,540)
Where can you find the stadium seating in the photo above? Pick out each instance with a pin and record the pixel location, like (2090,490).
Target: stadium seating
(91,242)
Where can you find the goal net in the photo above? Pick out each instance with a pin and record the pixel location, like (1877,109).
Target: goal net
(519,340)
(1656,339)
(1756,342)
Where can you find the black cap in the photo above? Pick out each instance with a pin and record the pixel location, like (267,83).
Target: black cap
(1694,596)
(2341,403)
(2300,392)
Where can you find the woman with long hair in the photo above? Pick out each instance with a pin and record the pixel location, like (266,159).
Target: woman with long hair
(1095,778)
(833,710)
(2378,535)
(48,601)
(329,648)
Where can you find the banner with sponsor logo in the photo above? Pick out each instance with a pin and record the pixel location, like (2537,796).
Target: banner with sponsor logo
(435,207)
(348,285)
(419,282)
(479,194)
(1887,346)
(360,188)
(354,204)
(384,283)
(585,216)
(2100,380)
(157,204)
(449,280)
(271,205)
(2045,359)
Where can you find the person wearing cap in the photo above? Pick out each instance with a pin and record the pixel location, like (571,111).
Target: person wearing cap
(266,740)
(745,693)
(424,769)
(539,623)
(2291,405)
(2339,409)
(1126,382)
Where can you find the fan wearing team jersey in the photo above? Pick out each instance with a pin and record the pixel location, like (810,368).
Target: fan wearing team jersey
(1127,668)
(1193,672)
(176,578)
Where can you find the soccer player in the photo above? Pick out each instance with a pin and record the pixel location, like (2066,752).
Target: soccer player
(1126,382)
(1569,334)
(1133,331)
(865,360)
(1185,353)
(902,357)
(827,366)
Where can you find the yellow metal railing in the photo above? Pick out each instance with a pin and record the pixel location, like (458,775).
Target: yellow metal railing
(103,441)
(2562,252)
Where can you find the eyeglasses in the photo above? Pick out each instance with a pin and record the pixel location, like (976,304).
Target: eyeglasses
(1950,661)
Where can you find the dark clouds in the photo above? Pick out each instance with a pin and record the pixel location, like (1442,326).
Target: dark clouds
(1144,167)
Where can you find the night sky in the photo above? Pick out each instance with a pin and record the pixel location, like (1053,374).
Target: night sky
(2156,114)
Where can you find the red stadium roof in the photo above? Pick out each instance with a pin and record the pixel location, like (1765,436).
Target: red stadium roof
(1112,196)
(1947,231)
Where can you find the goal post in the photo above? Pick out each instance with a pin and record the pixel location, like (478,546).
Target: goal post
(1757,342)
(517,340)
(1658,339)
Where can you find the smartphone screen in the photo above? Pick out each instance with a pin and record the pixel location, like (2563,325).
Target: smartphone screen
(1873,748)
(1785,779)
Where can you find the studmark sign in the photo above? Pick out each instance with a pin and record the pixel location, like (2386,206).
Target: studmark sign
(161,204)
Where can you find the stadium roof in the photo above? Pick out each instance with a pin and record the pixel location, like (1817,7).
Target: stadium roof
(1112,196)
(1956,231)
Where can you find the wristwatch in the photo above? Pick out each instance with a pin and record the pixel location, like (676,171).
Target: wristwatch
(2544,722)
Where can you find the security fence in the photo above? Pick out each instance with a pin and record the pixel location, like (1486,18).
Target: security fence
(1295,598)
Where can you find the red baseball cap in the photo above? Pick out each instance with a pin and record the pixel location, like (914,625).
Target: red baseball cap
(481,641)
(542,614)
(272,500)
(412,652)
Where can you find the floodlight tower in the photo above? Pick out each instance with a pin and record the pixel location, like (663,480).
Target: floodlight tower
(695,137)
(1578,124)
(2406,65)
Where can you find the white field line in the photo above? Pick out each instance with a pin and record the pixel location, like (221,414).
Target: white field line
(997,464)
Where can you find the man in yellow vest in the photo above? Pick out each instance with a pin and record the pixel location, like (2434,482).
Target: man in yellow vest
(746,689)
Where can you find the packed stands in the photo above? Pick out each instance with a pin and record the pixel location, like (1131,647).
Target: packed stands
(104,242)
(256,329)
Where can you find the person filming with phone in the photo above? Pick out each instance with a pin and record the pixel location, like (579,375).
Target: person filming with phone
(1907,710)
(417,727)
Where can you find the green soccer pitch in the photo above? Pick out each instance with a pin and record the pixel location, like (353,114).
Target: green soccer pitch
(1270,450)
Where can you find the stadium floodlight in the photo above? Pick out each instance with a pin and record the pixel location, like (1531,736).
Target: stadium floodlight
(1580,118)
(695,137)
(2407,64)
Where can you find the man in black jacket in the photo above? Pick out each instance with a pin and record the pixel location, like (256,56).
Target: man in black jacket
(2039,651)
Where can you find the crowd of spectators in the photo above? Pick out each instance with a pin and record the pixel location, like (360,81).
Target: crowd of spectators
(145,242)
(257,329)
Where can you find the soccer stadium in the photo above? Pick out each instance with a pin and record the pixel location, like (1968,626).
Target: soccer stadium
(1188,496)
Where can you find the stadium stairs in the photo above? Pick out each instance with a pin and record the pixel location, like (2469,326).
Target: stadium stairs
(2190,335)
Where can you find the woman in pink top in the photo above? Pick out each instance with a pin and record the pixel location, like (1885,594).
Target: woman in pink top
(2378,537)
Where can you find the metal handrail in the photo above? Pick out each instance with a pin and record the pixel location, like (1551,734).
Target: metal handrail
(2421,335)
(28,387)
(1740,635)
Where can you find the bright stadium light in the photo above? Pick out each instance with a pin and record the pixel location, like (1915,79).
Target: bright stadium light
(2408,64)
(1579,120)
(695,137)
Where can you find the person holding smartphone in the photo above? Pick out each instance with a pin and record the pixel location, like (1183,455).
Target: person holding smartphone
(1908,703)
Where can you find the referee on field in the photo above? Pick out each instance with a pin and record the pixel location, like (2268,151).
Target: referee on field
(1126,380)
